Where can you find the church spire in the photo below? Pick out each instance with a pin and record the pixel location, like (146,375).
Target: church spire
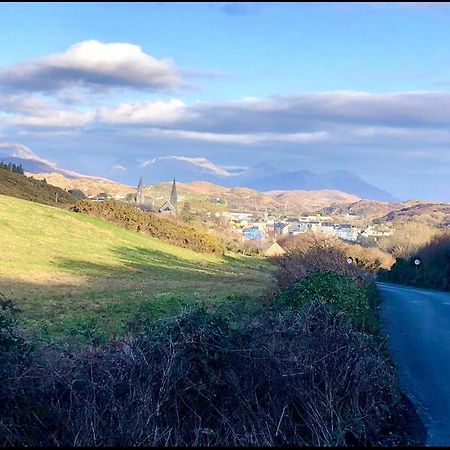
(173,195)
(140,192)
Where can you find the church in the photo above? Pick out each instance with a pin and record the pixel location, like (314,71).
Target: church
(148,204)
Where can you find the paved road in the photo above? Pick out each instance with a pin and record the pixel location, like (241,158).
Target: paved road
(417,322)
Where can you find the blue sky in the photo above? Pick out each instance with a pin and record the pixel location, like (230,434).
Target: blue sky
(317,86)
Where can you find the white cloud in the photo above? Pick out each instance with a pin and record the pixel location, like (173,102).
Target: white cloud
(242,139)
(93,64)
(144,113)
(57,119)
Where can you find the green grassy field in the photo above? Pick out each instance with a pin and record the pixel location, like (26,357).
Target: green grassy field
(72,274)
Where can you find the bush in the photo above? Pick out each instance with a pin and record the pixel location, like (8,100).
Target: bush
(287,378)
(434,269)
(152,225)
(310,253)
(341,292)
(11,340)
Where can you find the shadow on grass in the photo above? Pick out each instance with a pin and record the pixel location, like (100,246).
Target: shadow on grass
(143,260)
(144,281)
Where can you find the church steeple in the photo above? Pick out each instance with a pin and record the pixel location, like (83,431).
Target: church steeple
(173,195)
(140,198)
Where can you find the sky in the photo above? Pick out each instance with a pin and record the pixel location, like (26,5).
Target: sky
(319,86)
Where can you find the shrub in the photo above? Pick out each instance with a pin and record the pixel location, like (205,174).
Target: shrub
(152,225)
(11,339)
(288,378)
(343,293)
(309,253)
(434,270)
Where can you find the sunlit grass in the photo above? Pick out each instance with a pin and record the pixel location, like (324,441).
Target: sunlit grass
(63,268)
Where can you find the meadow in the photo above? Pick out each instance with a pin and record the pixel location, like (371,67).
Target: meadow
(75,275)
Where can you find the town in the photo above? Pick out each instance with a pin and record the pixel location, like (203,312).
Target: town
(263,227)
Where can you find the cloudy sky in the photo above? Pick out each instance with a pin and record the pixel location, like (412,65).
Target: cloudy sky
(363,87)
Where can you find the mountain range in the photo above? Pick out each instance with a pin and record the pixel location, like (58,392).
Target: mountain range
(261,177)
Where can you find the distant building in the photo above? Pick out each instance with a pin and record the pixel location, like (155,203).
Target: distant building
(170,206)
(140,196)
(272,249)
(174,196)
(254,234)
(140,200)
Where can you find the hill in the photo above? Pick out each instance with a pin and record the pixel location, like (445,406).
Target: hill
(88,185)
(27,188)
(312,200)
(370,209)
(433,214)
(209,196)
(71,274)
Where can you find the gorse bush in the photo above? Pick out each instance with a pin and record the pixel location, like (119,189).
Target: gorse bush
(152,225)
(293,377)
(343,293)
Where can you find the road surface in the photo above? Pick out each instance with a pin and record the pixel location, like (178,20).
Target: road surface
(417,322)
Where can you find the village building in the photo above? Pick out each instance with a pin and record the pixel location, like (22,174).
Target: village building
(145,203)
(272,249)
(170,206)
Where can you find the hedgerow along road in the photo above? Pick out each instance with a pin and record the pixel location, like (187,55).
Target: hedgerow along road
(417,322)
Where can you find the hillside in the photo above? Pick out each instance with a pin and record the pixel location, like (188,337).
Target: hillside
(370,209)
(89,186)
(433,214)
(72,274)
(312,200)
(209,196)
(28,188)
(204,194)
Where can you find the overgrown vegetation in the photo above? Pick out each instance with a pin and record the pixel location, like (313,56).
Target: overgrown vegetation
(342,292)
(152,225)
(287,377)
(434,269)
(407,239)
(303,368)
(16,185)
(315,252)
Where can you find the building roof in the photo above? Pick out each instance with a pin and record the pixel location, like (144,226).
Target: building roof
(167,206)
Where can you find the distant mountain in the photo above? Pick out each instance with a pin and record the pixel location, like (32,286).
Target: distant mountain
(13,152)
(165,168)
(340,180)
(261,177)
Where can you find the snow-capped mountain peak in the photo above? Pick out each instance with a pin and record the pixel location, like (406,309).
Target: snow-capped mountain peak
(16,150)
(200,163)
